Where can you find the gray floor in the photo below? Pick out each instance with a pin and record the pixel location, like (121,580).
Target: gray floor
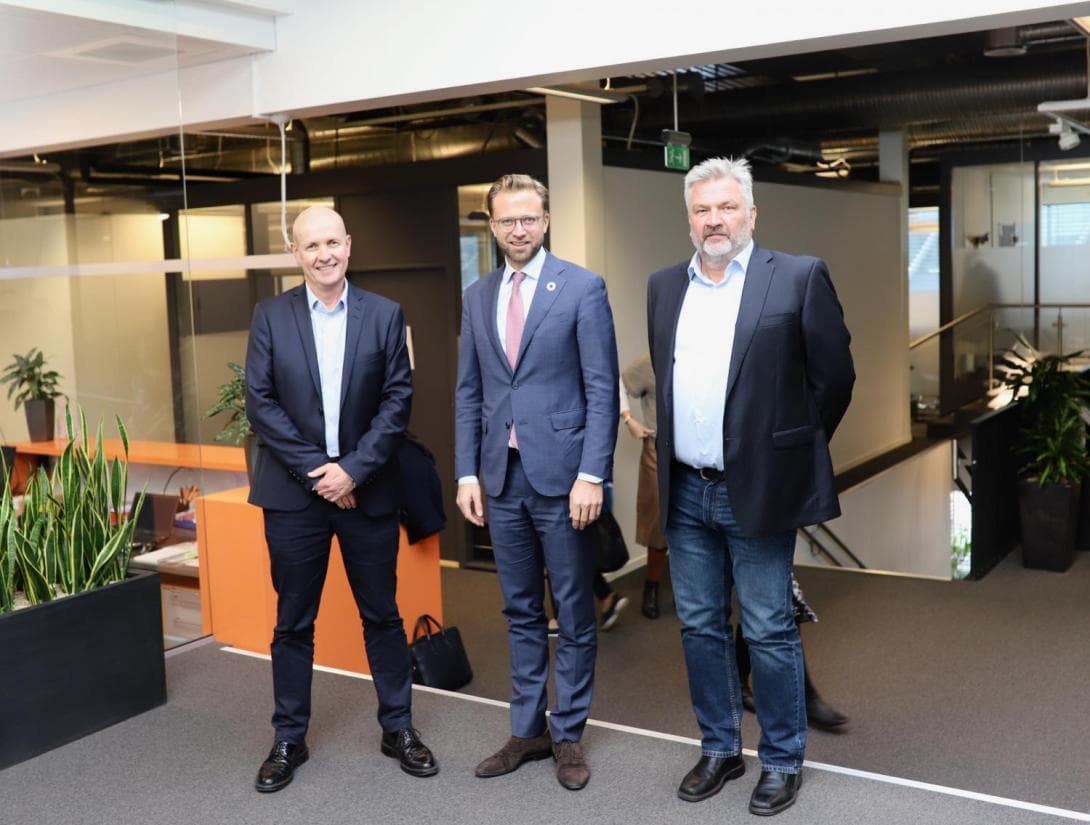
(976,685)
(973,686)
(193,760)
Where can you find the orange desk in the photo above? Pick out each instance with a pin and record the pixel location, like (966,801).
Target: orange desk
(164,453)
(238,604)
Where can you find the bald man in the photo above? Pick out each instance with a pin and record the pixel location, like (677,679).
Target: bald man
(328,391)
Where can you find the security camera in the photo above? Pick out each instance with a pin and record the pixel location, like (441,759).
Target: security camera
(1068,140)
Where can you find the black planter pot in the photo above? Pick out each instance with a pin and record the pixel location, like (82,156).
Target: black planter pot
(1050,520)
(39,418)
(1082,540)
(79,664)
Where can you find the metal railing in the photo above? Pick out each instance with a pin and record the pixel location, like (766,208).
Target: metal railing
(819,547)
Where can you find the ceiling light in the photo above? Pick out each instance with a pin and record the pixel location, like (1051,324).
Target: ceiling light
(591,94)
(838,168)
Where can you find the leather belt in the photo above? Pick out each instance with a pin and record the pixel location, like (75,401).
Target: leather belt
(705,473)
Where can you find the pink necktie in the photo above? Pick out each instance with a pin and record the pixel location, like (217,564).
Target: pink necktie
(515,322)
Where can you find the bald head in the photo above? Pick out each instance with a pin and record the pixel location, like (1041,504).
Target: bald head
(321,247)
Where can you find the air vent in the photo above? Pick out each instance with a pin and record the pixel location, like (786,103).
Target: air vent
(127,50)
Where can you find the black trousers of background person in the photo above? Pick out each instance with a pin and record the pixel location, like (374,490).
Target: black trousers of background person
(299,547)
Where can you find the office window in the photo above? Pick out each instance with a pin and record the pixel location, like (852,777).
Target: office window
(1065,224)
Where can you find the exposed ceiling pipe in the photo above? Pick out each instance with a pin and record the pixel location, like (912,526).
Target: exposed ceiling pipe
(881,101)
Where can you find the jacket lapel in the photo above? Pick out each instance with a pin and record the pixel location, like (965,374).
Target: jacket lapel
(490,295)
(306,335)
(354,321)
(754,292)
(672,299)
(549,285)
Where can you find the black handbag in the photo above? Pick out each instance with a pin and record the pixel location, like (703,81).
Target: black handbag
(612,552)
(439,657)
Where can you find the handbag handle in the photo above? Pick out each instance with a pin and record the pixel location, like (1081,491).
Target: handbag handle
(423,625)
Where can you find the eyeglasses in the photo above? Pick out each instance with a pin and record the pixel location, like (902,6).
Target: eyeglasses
(527,221)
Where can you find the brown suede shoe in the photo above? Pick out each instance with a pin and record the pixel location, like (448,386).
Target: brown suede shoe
(571,766)
(517,750)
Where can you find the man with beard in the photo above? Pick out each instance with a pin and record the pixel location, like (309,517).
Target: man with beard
(536,423)
(754,373)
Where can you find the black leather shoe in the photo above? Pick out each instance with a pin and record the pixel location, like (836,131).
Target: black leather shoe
(405,746)
(709,776)
(775,792)
(823,716)
(279,766)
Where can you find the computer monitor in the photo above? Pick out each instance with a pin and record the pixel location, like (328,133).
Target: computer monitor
(156,518)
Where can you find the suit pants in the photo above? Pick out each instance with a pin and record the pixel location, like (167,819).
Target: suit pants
(299,547)
(532,533)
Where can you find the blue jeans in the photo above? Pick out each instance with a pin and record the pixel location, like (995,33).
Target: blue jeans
(708,556)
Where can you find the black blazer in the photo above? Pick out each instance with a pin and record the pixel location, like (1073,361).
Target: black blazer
(789,384)
(284,400)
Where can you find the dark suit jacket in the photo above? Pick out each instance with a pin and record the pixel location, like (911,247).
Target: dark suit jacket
(789,384)
(284,400)
(562,393)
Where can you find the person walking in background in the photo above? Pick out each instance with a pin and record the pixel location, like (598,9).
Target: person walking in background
(638,381)
(754,373)
(819,713)
(328,391)
(535,430)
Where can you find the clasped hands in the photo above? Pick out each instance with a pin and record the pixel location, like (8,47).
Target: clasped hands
(584,503)
(335,485)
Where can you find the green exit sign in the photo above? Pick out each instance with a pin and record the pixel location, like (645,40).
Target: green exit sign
(677,156)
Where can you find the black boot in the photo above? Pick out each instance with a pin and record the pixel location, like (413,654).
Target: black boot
(650,607)
(819,713)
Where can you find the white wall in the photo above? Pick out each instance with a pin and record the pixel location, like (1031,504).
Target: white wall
(898,520)
(856,232)
(345,55)
(34,312)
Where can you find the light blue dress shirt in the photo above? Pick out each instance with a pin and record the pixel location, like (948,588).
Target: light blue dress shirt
(702,352)
(330,326)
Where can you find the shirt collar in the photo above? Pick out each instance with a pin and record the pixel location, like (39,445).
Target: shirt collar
(313,302)
(739,263)
(532,269)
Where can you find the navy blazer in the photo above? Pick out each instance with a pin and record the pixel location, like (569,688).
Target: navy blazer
(284,400)
(562,393)
(789,384)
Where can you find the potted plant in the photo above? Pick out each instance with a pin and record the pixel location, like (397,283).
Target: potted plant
(35,387)
(1053,398)
(232,399)
(82,638)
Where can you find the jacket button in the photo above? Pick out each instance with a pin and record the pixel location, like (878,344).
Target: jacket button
(321,411)
(514,385)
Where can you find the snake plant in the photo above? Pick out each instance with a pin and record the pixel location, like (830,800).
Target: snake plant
(72,534)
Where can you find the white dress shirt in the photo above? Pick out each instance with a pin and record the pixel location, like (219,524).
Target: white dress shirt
(702,351)
(329,327)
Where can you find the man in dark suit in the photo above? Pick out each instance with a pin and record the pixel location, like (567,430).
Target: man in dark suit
(754,373)
(536,422)
(328,389)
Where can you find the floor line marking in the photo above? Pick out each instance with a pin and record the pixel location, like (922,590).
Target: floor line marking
(887,779)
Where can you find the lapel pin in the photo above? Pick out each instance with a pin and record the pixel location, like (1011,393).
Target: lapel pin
(551,286)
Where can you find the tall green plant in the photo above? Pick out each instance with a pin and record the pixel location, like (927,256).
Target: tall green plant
(1054,399)
(72,535)
(232,399)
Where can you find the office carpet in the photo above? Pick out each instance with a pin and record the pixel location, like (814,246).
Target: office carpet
(982,685)
(192,762)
